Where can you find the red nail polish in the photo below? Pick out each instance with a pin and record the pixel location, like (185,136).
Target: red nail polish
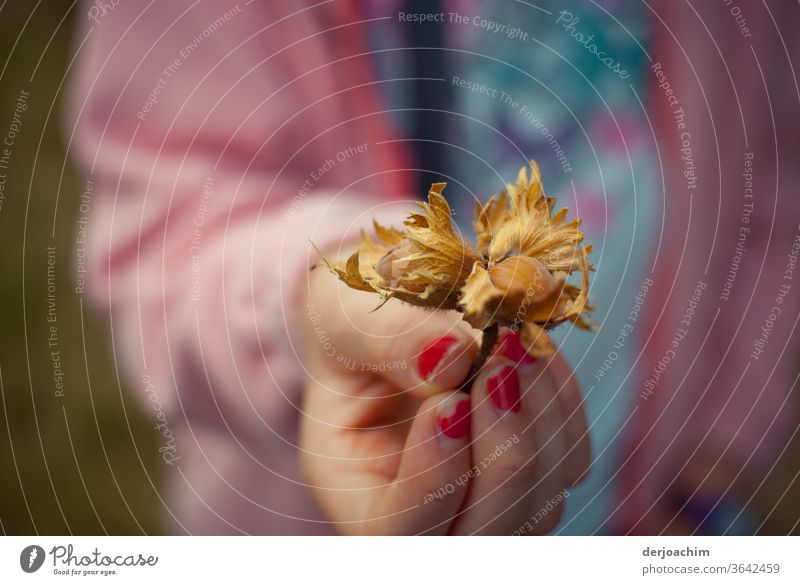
(432,354)
(511,347)
(452,420)
(503,387)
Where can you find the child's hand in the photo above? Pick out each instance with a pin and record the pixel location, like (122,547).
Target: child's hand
(388,445)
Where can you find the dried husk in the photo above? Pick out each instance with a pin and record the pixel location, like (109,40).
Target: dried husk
(515,276)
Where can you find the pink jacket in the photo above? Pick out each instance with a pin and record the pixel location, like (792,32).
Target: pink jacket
(220,138)
(731,390)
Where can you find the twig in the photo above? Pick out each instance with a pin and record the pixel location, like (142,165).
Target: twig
(488,342)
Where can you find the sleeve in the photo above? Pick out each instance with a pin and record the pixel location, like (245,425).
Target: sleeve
(718,369)
(218,140)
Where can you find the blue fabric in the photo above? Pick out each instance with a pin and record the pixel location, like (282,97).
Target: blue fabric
(549,96)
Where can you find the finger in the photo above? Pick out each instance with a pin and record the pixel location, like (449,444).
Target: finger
(577,432)
(518,447)
(415,487)
(550,435)
(579,452)
(424,352)
(433,478)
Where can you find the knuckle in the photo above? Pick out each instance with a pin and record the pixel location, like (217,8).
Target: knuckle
(547,419)
(518,463)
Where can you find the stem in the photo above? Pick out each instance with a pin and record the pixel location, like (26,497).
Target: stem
(488,342)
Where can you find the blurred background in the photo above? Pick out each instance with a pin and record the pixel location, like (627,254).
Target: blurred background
(84,462)
(84,458)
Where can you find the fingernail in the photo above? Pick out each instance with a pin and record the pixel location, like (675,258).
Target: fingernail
(511,348)
(503,388)
(452,416)
(433,354)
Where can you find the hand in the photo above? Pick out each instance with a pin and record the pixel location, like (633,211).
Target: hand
(390,447)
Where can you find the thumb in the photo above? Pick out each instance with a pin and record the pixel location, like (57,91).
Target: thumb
(432,479)
(420,351)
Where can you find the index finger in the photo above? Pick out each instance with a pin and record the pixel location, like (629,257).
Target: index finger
(420,351)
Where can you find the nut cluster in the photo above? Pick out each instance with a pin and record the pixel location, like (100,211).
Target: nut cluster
(516,274)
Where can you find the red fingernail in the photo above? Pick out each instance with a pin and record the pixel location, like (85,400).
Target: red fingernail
(452,417)
(503,387)
(432,355)
(511,347)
